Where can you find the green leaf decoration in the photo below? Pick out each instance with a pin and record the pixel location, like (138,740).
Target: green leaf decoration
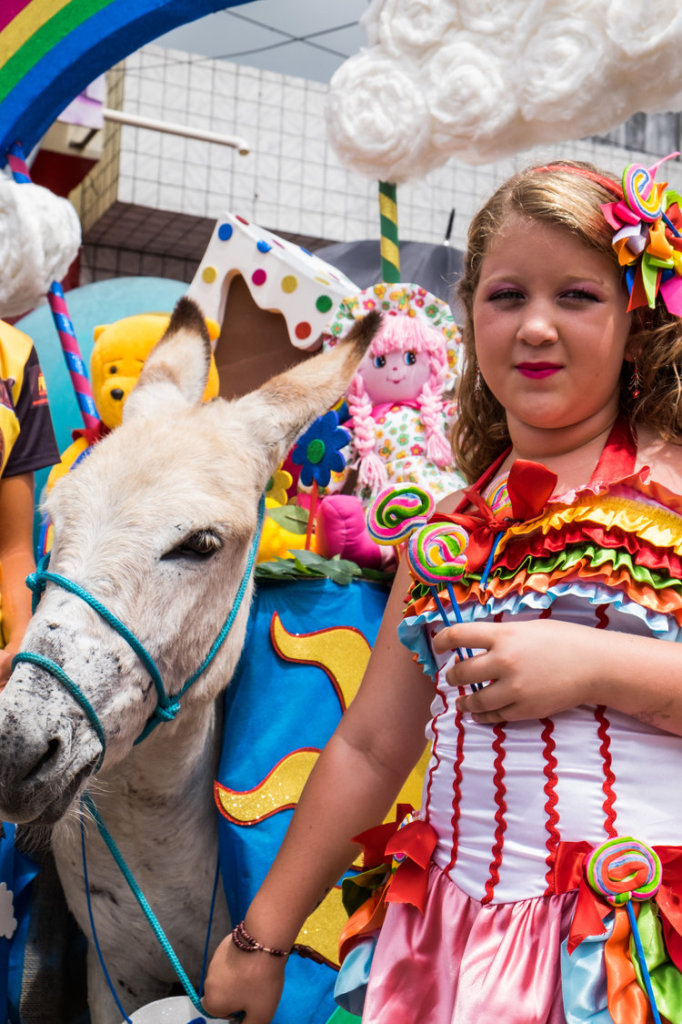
(290,517)
(309,565)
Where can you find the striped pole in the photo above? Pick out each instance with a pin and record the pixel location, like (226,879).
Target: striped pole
(60,315)
(390,245)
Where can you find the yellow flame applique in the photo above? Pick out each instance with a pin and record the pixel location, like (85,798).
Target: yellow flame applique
(342,652)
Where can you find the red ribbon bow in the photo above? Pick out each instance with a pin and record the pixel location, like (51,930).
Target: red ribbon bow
(529,485)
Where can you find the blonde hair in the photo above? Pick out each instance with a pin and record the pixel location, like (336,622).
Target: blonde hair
(566,194)
(401,333)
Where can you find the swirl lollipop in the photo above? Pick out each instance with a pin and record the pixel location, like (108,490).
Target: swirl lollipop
(436,555)
(622,870)
(643,195)
(397,511)
(497,496)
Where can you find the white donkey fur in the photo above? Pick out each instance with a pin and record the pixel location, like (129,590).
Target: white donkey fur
(157,524)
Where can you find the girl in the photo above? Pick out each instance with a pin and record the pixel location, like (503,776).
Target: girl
(573,580)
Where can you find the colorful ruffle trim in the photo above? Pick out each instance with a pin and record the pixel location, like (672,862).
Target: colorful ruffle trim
(412,630)
(628,539)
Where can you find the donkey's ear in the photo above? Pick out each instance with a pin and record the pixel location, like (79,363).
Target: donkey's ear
(176,370)
(279,411)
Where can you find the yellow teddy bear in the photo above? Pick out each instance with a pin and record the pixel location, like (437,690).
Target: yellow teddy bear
(115,364)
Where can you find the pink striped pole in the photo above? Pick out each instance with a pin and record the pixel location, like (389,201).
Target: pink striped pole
(60,315)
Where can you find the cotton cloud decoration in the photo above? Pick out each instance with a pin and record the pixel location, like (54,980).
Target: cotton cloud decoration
(483,79)
(40,235)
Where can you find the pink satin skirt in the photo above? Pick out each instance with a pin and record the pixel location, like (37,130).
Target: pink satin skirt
(464,963)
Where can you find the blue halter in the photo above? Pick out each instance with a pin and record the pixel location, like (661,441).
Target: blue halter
(167,706)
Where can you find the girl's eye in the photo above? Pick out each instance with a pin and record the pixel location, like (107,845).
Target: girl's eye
(410,358)
(506,295)
(379,361)
(582,294)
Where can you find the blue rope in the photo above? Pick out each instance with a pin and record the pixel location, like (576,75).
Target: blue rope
(98,949)
(142,901)
(40,578)
(68,684)
(158,715)
(207,944)
(235,606)
(167,708)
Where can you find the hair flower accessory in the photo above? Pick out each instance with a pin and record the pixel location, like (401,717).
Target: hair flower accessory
(648,237)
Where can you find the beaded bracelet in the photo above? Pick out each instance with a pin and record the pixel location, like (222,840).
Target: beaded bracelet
(248,944)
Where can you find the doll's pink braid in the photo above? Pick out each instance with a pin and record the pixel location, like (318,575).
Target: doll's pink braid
(437,448)
(371,469)
(431,409)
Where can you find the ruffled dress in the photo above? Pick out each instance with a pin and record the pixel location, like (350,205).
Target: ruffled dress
(511,931)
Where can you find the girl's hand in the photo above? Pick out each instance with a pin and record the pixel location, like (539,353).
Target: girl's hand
(249,984)
(532,669)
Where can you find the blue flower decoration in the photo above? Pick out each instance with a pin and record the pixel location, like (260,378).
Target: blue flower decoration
(318,450)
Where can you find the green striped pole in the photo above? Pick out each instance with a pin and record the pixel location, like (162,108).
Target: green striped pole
(390,245)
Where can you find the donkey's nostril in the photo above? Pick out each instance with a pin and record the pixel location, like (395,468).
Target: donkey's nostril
(49,753)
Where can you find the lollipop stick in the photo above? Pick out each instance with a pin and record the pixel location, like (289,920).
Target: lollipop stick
(458,616)
(455,608)
(311,514)
(642,961)
(444,616)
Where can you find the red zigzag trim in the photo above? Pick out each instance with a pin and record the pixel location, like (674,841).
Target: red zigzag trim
(457,787)
(500,791)
(550,806)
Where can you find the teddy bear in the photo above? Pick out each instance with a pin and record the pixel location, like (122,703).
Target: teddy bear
(116,362)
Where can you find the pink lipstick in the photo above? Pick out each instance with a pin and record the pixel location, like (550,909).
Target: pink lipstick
(538,370)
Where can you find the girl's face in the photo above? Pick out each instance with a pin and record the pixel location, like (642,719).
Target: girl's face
(395,377)
(551,329)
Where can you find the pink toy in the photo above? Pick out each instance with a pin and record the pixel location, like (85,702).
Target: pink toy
(406,366)
(400,413)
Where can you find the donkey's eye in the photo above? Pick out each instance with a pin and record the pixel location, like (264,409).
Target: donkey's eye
(201,544)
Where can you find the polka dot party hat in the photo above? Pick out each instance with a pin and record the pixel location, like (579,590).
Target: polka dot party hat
(280,276)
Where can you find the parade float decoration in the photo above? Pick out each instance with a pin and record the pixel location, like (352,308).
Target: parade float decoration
(450,70)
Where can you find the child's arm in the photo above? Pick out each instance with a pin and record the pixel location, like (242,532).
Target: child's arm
(351,788)
(16,562)
(545,666)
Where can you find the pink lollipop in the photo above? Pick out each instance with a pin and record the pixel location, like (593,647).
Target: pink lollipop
(622,869)
(397,511)
(436,553)
(436,556)
(642,194)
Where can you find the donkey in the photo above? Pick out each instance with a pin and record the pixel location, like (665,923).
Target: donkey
(154,533)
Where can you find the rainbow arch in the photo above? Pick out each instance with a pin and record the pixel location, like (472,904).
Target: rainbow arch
(50,50)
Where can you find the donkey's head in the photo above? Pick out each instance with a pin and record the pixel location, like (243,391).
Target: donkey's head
(152,535)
